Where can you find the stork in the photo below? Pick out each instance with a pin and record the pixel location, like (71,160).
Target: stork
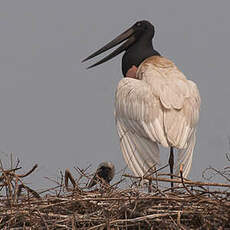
(154,105)
(105,173)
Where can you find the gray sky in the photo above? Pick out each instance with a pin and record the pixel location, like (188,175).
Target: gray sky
(56,113)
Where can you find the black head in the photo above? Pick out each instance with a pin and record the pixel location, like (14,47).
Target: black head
(137,38)
(105,173)
(143,29)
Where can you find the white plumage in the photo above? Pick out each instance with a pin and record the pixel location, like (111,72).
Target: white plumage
(160,106)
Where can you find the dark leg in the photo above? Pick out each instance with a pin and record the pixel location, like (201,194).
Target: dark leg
(171,163)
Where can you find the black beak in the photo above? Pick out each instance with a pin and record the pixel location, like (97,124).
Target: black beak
(128,34)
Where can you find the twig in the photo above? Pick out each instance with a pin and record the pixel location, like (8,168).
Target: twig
(182,181)
(218,172)
(43,220)
(28,173)
(68,176)
(8,172)
(29,190)
(198,183)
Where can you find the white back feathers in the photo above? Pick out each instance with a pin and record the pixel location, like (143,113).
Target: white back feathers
(159,107)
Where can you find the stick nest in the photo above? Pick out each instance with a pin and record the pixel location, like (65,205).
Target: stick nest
(140,203)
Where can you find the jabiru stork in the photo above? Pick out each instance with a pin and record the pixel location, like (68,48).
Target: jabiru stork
(155,103)
(105,173)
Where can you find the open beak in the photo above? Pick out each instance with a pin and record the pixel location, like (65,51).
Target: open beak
(127,35)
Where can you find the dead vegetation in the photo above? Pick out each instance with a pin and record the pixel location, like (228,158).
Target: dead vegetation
(142,203)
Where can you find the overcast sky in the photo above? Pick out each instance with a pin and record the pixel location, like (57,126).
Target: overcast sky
(56,113)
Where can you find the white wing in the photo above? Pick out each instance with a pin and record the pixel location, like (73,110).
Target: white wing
(185,157)
(161,106)
(136,111)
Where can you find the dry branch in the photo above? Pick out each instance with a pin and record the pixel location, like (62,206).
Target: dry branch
(195,183)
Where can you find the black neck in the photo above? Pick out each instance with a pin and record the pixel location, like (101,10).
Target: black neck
(136,54)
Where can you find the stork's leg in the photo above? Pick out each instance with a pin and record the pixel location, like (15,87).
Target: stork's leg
(171,163)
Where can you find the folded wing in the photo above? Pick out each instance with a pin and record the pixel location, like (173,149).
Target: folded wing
(138,123)
(161,106)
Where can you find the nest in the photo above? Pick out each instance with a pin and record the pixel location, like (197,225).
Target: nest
(134,205)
